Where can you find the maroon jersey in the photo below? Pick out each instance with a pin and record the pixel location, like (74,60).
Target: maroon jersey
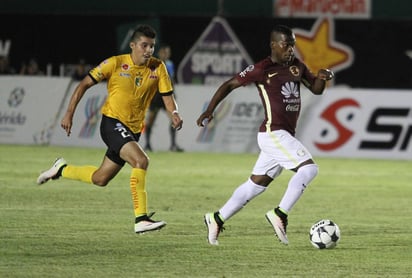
(279,90)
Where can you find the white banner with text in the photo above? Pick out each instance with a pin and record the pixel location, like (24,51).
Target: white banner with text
(344,122)
(364,123)
(29,107)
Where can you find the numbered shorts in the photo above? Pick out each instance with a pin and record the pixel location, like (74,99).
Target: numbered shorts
(278,150)
(115,134)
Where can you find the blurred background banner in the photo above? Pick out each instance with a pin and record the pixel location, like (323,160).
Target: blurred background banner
(355,9)
(344,122)
(29,108)
(215,57)
(368,123)
(86,120)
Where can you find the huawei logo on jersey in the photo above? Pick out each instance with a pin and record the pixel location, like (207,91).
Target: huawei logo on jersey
(290,88)
(294,70)
(125,67)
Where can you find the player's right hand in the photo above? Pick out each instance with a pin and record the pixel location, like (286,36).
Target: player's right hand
(204,119)
(326,74)
(67,123)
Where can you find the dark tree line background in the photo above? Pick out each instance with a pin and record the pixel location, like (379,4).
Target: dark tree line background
(380,45)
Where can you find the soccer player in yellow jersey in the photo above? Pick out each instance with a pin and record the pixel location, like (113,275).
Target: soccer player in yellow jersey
(132,81)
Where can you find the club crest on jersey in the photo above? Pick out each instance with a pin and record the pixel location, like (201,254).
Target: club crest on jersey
(294,70)
(138,81)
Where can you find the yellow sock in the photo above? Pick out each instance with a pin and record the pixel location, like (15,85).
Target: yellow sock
(138,190)
(81,173)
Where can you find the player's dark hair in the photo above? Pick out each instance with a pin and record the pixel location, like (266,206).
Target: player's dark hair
(280,29)
(143,30)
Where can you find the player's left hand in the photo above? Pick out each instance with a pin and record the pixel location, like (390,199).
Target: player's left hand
(326,74)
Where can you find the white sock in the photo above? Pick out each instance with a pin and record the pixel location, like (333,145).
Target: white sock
(240,197)
(297,185)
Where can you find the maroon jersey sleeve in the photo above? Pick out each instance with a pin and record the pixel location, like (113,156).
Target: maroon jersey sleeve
(251,74)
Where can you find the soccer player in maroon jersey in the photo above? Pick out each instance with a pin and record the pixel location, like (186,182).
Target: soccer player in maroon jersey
(277,78)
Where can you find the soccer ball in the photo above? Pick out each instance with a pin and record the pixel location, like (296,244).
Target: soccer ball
(324,234)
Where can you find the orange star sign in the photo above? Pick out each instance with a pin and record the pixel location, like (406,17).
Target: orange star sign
(318,49)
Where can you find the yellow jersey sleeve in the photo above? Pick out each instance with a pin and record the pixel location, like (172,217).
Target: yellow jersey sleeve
(104,69)
(131,88)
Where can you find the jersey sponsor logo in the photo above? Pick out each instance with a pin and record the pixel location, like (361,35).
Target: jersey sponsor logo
(292,107)
(246,70)
(270,75)
(125,67)
(153,74)
(289,89)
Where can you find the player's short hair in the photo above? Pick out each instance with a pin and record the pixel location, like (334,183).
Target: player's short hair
(280,29)
(143,30)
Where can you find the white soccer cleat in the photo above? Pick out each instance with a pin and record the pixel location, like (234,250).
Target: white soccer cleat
(145,224)
(53,173)
(213,229)
(279,224)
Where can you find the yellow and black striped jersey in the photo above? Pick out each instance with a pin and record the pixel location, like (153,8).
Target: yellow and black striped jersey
(131,88)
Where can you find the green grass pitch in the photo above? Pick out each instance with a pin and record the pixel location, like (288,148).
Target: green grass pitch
(70,229)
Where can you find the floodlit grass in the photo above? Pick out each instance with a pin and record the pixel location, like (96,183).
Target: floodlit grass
(70,229)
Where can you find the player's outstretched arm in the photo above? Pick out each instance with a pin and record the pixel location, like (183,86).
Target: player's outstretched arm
(222,92)
(77,95)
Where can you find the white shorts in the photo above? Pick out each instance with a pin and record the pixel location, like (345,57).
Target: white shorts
(278,150)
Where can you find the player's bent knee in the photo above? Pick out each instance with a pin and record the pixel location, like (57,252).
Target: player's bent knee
(309,170)
(100,181)
(141,162)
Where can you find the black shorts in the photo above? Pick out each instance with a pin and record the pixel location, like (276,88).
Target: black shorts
(115,134)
